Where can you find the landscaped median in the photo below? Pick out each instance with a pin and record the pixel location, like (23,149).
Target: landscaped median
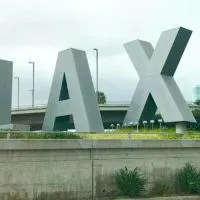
(139,136)
(117,134)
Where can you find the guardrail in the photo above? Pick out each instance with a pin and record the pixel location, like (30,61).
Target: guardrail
(111,103)
(28,106)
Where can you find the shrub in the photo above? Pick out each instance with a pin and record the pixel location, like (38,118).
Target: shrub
(52,135)
(188,179)
(131,183)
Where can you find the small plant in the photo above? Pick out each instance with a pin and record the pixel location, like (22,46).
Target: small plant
(131,183)
(188,179)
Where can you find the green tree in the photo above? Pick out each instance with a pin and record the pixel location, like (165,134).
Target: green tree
(101,97)
(195,126)
(197,102)
(196,114)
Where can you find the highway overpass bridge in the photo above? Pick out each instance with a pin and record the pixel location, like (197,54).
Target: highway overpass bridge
(111,114)
(34,116)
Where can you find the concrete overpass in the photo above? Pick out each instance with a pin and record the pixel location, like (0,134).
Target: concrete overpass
(112,113)
(34,116)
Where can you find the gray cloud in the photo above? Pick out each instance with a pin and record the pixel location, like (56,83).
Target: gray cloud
(37,30)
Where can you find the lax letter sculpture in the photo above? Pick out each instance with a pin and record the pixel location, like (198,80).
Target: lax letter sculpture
(157,87)
(72,93)
(6,72)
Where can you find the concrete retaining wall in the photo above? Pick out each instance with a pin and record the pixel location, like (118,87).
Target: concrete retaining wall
(82,169)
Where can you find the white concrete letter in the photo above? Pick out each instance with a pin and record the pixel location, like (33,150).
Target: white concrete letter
(72,94)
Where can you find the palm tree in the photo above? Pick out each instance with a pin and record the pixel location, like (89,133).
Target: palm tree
(101,98)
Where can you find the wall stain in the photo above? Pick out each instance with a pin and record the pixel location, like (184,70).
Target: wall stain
(59,195)
(105,186)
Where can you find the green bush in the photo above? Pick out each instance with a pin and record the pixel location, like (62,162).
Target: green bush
(188,179)
(53,135)
(131,183)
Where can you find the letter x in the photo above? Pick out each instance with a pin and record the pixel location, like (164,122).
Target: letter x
(157,87)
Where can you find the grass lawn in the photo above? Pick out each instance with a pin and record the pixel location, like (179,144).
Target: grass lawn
(125,136)
(143,134)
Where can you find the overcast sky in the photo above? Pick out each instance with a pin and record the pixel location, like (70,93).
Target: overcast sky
(35,30)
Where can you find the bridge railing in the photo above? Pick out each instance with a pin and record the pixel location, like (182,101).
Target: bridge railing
(28,106)
(109,103)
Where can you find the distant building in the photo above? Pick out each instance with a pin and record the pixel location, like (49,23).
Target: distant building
(197,93)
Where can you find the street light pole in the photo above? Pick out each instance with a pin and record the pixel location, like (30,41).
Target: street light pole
(17,78)
(97,73)
(33,90)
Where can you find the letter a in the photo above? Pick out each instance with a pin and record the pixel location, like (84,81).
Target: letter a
(72,94)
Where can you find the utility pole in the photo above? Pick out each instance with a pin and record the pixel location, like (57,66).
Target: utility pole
(17,78)
(33,90)
(97,73)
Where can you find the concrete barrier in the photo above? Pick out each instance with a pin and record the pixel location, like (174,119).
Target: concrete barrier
(84,169)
